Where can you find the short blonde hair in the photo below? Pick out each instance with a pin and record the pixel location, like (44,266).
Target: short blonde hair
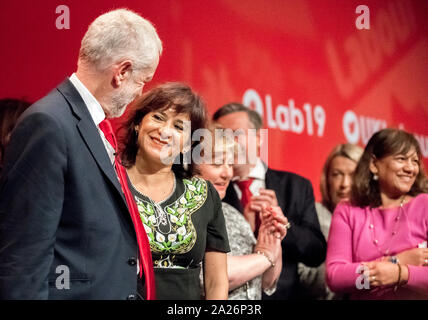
(223,145)
(226,144)
(347,150)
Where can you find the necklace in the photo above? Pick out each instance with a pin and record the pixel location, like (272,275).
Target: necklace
(162,221)
(163,224)
(393,234)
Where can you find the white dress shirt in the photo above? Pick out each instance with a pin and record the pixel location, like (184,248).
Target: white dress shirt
(96,111)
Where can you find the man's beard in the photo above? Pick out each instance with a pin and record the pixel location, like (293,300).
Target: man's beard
(120,101)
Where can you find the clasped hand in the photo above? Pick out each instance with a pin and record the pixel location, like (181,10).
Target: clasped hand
(268,243)
(381,273)
(415,257)
(266,206)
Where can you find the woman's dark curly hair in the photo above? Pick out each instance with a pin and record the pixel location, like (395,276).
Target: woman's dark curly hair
(365,190)
(170,95)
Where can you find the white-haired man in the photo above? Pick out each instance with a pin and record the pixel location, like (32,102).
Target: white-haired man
(65,228)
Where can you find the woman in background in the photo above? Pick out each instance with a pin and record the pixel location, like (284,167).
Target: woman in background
(10,110)
(181,213)
(336,180)
(377,242)
(253,265)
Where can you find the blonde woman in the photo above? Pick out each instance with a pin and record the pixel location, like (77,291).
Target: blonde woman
(336,179)
(253,265)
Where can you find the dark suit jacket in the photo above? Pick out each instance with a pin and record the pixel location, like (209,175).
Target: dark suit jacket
(304,241)
(61,204)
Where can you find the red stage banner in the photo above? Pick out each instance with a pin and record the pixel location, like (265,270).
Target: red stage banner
(313,69)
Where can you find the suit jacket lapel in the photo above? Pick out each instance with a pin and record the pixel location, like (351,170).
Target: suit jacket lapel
(268,179)
(90,133)
(275,183)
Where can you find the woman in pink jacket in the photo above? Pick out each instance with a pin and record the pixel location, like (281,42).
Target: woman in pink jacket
(377,247)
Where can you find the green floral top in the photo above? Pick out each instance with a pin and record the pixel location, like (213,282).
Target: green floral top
(180,229)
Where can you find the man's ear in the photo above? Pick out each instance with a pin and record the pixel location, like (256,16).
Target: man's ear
(122,71)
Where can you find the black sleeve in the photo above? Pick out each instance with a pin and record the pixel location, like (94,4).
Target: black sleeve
(217,238)
(304,241)
(31,200)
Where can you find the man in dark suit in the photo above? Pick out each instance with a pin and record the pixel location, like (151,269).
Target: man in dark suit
(304,241)
(65,228)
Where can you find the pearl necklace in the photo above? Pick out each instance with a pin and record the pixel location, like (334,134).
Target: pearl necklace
(394,232)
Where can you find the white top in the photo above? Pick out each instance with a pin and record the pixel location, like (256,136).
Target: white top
(258,173)
(96,111)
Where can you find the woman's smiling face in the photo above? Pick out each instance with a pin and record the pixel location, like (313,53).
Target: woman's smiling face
(397,173)
(161,135)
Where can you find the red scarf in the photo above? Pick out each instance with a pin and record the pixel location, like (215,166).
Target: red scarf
(146,263)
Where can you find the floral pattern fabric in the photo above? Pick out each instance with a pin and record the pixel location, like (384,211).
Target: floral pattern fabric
(170,229)
(242,242)
(180,229)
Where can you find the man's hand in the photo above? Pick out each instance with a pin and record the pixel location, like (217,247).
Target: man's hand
(266,198)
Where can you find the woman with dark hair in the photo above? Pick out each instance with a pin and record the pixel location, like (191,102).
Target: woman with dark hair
(10,110)
(181,213)
(335,185)
(377,247)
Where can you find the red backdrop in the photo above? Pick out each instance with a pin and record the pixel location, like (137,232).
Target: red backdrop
(317,79)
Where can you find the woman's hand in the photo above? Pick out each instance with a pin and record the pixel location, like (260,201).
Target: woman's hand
(275,220)
(414,257)
(268,243)
(381,273)
(250,212)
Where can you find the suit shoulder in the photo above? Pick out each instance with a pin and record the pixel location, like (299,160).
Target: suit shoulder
(290,176)
(53,103)
(53,106)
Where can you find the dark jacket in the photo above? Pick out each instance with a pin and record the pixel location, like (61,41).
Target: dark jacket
(304,241)
(62,208)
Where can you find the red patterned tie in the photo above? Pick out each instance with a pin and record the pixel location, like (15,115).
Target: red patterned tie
(244,186)
(146,263)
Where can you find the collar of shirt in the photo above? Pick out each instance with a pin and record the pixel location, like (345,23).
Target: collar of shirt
(259,170)
(94,107)
(96,111)
(258,173)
